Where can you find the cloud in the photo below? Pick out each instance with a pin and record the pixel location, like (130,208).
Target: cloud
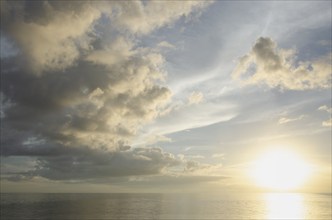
(142,18)
(195,167)
(165,44)
(153,139)
(328,122)
(267,64)
(195,98)
(182,116)
(51,36)
(196,156)
(187,149)
(218,156)
(91,164)
(325,108)
(285,120)
(54,35)
(88,104)
(79,88)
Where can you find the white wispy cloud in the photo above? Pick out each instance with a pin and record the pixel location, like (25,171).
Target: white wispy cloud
(218,155)
(285,120)
(165,44)
(142,18)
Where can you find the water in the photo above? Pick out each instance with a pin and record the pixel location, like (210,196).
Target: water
(165,206)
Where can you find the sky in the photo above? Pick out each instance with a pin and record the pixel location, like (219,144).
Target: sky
(161,96)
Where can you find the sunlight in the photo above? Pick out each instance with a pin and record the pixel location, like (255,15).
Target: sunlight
(280,170)
(284,206)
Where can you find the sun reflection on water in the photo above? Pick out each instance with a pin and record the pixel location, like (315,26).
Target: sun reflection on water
(285,206)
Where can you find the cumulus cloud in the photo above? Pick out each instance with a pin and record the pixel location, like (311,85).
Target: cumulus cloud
(78,90)
(54,35)
(275,67)
(51,36)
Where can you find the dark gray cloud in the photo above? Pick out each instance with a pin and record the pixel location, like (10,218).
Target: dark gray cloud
(86,163)
(77,90)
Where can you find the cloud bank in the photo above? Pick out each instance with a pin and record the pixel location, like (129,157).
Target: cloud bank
(79,87)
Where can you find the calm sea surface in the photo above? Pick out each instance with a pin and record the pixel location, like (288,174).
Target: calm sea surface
(165,206)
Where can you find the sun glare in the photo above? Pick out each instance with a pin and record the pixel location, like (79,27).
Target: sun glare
(285,206)
(280,170)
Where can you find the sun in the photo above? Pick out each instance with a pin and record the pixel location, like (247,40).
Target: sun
(280,170)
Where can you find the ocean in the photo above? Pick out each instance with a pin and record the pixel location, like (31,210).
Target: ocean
(165,206)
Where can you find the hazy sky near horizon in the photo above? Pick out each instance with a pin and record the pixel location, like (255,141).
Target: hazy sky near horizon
(147,96)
